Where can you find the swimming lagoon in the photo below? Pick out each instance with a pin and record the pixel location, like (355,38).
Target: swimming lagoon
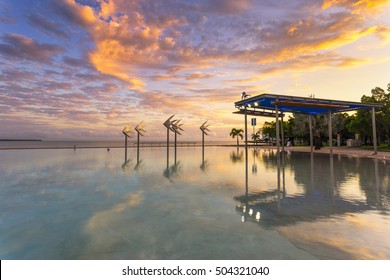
(92,204)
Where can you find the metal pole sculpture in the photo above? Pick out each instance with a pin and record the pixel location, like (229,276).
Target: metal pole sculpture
(168,125)
(140,129)
(204,129)
(176,127)
(128,134)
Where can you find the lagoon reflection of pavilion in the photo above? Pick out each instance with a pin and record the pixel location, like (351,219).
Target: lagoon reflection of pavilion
(292,209)
(275,208)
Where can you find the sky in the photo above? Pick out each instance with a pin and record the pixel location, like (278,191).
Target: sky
(82,70)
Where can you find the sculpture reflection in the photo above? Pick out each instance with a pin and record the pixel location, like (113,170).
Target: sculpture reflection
(205,165)
(126,167)
(139,165)
(173,171)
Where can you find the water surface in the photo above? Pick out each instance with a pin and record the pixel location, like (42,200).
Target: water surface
(90,204)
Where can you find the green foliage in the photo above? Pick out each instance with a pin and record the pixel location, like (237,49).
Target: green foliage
(301,127)
(256,136)
(269,128)
(382,148)
(382,115)
(361,122)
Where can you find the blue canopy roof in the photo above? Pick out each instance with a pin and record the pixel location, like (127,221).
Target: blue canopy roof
(302,105)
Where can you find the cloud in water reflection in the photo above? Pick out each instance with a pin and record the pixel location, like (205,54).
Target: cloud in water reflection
(84,205)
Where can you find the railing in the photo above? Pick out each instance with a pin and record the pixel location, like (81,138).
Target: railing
(164,144)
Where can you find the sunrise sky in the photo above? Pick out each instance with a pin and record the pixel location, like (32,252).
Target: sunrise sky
(81,70)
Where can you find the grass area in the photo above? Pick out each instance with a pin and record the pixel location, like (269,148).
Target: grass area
(382,148)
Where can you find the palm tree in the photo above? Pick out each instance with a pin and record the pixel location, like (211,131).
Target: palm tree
(236,133)
(256,137)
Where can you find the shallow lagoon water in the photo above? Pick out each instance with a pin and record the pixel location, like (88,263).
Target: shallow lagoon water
(90,204)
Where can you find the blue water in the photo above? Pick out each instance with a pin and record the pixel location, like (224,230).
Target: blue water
(91,204)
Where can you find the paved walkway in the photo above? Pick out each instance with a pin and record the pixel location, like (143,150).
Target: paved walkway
(352,152)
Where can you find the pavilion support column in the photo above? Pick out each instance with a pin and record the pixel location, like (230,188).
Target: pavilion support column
(277,129)
(278,153)
(330,132)
(246,129)
(311,133)
(374,131)
(246,149)
(282,130)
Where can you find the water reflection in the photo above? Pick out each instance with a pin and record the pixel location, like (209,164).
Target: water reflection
(236,156)
(334,178)
(126,167)
(72,204)
(173,170)
(324,194)
(139,165)
(204,166)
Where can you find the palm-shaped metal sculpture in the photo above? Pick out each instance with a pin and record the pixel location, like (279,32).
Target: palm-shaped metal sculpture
(128,134)
(204,128)
(127,131)
(176,128)
(168,125)
(140,130)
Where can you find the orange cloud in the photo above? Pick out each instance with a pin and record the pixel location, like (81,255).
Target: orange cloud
(131,37)
(384,33)
(126,41)
(79,14)
(357,7)
(106,60)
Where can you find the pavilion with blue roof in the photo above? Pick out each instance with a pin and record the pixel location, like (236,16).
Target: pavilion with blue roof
(275,105)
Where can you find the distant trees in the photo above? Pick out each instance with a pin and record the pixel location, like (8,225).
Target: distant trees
(361,123)
(269,129)
(256,136)
(300,125)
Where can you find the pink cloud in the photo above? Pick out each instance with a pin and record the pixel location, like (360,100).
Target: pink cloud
(149,35)
(22,47)
(47,26)
(74,12)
